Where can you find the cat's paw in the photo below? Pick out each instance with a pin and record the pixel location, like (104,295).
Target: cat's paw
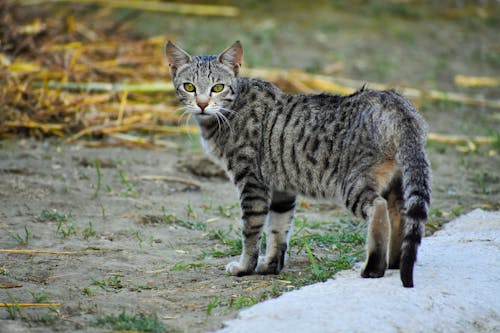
(273,266)
(236,269)
(371,270)
(375,266)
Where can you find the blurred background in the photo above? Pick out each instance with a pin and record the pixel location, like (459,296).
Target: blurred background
(94,71)
(442,51)
(84,85)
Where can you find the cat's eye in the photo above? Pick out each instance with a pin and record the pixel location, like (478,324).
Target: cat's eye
(189,87)
(218,88)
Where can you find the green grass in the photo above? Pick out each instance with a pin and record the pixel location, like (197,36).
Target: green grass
(89,231)
(54,216)
(22,239)
(131,322)
(130,190)
(15,310)
(65,227)
(438,217)
(212,305)
(496,141)
(239,302)
(180,266)
(329,246)
(88,291)
(229,239)
(193,225)
(112,283)
(40,297)
(485,182)
(185,223)
(227,210)
(190,212)
(438,147)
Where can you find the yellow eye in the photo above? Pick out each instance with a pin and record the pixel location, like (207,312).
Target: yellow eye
(218,88)
(189,87)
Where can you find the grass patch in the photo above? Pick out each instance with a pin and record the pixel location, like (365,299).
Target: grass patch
(54,216)
(130,190)
(438,217)
(189,224)
(112,283)
(180,266)
(330,247)
(65,227)
(40,297)
(212,305)
(190,212)
(22,239)
(227,211)
(131,322)
(89,231)
(239,302)
(496,141)
(168,218)
(227,238)
(193,225)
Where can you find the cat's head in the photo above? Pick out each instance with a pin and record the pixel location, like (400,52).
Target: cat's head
(205,85)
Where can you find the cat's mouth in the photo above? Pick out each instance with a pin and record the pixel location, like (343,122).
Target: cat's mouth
(203,113)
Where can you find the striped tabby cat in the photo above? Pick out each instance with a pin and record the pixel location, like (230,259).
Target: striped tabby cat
(365,150)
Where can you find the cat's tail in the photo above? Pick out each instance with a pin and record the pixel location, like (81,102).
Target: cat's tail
(415,169)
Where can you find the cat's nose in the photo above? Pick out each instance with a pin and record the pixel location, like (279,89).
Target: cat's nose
(202,105)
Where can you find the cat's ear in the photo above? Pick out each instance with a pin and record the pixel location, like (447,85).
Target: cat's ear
(176,57)
(232,57)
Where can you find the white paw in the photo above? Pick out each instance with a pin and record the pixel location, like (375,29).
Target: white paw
(262,266)
(236,269)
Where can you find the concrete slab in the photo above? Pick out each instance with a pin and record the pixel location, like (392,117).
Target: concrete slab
(457,289)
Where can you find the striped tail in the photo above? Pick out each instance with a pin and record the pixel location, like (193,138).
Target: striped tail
(416,192)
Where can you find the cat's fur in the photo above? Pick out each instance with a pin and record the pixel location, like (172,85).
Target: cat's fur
(365,150)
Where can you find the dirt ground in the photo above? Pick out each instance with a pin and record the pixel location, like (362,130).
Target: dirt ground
(150,231)
(127,252)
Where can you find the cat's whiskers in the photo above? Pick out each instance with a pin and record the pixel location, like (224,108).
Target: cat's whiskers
(224,120)
(233,114)
(186,112)
(189,111)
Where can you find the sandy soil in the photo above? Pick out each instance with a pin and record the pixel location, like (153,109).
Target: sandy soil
(136,256)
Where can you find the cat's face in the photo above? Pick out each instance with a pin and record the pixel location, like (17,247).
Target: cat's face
(205,85)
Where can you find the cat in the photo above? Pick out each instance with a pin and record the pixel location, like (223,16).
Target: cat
(365,150)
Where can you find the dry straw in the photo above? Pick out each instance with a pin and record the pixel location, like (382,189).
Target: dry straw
(72,80)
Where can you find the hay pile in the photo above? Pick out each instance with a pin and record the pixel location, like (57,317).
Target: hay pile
(96,83)
(60,77)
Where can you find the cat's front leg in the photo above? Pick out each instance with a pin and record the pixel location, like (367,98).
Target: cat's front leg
(254,201)
(279,226)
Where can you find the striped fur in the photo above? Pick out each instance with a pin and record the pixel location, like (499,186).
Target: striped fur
(365,150)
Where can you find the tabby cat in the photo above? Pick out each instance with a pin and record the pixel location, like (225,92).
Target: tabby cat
(365,150)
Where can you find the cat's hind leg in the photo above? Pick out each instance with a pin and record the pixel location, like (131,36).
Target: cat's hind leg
(395,201)
(279,225)
(377,239)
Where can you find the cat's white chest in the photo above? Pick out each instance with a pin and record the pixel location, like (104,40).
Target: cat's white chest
(215,155)
(206,146)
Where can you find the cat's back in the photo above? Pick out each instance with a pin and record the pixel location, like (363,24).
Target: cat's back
(362,101)
(255,91)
